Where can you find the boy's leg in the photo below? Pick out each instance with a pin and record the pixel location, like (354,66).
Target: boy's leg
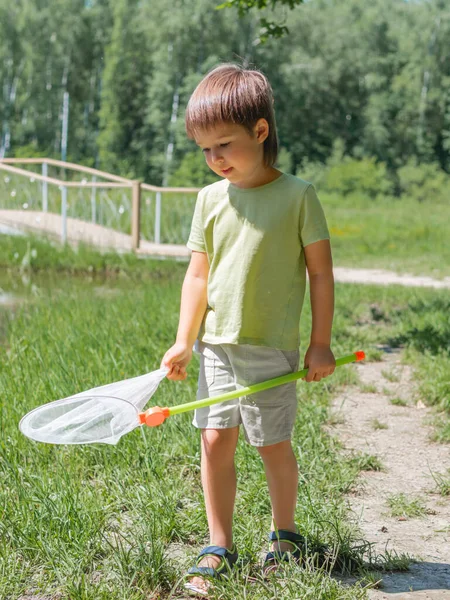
(219,482)
(219,488)
(267,417)
(281,471)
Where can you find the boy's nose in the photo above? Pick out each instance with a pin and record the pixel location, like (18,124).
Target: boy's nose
(216,157)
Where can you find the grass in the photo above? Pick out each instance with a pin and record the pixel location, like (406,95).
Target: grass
(442,482)
(376,424)
(336,419)
(94,521)
(398,401)
(390,375)
(441,433)
(100,522)
(31,254)
(403,506)
(399,234)
(367,462)
(368,388)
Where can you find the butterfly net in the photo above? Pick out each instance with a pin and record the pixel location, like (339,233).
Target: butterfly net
(102,414)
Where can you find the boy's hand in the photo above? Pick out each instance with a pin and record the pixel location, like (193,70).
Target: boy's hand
(320,362)
(176,359)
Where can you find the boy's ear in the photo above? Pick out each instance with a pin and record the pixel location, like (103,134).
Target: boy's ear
(261,130)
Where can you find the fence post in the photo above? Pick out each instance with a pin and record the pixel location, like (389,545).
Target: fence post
(64,214)
(93,203)
(158,218)
(135,214)
(44,188)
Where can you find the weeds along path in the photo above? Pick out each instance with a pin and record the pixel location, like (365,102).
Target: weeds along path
(372,419)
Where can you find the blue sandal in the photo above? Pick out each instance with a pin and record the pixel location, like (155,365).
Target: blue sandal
(228,559)
(275,557)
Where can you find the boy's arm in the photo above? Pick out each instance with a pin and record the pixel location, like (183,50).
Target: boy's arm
(319,358)
(192,309)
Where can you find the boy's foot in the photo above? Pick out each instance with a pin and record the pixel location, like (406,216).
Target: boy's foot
(198,585)
(213,561)
(285,546)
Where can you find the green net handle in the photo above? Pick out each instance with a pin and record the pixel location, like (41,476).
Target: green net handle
(257,387)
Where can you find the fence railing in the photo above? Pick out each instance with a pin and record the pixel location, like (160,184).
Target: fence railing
(137,217)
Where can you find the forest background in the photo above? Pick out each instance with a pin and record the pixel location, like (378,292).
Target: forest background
(362,90)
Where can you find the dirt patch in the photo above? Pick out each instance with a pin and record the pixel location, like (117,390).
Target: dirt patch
(368,422)
(384,277)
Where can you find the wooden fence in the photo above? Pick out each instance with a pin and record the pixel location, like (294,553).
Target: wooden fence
(111,181)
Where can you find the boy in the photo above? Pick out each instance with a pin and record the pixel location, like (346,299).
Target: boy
(253,235)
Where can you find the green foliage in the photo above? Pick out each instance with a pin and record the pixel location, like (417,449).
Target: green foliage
(192,172)
(345,175)
(376,80)
(284,161)
(268,29)
(244,6)
(31,151)
(124,93)
(365,176)
(424,182)
(403,506)
(46,49)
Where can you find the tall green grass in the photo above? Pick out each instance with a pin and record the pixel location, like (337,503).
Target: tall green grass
(32,254)
(401,234)
(126,521)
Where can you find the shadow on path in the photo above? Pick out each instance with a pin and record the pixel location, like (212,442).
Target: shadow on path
(420,577)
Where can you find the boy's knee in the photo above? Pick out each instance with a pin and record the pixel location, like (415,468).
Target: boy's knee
(276,451)
(219,442)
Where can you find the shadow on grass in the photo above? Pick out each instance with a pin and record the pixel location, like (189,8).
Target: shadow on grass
(420,576)
(428,338)
(428,328)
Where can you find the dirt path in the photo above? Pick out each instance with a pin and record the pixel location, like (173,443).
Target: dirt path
(384,277)
(77,231)
(408,458)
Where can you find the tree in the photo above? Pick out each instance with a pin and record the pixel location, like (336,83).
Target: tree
(268,29)
(127,64)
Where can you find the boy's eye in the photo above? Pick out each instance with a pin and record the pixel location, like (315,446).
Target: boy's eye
(221,145)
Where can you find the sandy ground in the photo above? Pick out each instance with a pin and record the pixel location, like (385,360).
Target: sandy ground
(409,459)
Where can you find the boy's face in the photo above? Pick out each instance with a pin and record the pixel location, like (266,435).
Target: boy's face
(230,151)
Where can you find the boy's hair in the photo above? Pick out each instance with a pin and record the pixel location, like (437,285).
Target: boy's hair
(232,94)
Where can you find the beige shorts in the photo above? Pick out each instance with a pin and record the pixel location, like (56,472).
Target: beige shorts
(267,417)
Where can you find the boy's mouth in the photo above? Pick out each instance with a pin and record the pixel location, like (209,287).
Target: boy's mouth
(226,171)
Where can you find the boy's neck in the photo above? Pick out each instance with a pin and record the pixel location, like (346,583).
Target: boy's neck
(261,178)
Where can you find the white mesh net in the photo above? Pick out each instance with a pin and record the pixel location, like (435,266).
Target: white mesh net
(99,415)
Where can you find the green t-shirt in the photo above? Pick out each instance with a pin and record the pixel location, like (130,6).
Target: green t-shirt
(254,239)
